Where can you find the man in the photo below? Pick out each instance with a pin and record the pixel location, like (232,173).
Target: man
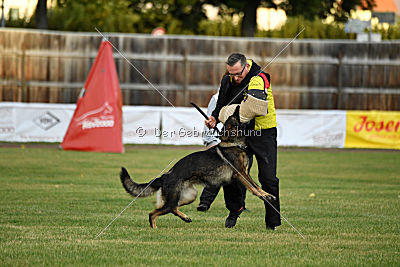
(244,81)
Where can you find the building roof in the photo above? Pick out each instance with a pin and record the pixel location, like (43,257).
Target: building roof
(386,6)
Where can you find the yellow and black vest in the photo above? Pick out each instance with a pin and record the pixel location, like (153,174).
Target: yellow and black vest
(261,82)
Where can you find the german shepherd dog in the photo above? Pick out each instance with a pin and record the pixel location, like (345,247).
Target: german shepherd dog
(215,166)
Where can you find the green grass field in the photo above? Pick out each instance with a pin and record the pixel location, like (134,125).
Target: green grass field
(53,203)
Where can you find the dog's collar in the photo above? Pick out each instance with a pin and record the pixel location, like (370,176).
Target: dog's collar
(227,145)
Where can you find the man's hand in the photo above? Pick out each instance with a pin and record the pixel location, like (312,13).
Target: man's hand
(211,122)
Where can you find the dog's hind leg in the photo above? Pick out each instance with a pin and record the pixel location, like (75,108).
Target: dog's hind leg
(187,195)
(170,205)
(181,215)
(157,212)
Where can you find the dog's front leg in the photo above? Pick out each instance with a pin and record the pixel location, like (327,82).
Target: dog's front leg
(250,185)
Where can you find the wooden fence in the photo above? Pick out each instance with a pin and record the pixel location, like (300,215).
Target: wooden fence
(51,67)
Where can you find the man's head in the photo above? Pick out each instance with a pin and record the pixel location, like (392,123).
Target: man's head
(237,67)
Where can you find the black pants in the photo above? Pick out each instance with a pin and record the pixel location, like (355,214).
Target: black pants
(209,194)
(264,148)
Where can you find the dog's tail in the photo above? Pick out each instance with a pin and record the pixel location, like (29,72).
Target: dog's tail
(139,190)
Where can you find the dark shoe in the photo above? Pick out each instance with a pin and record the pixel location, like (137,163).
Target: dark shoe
(271,228)
(203,207)
(232,218)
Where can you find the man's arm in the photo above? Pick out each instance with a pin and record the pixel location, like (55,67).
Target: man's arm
(222,98)
(210,135)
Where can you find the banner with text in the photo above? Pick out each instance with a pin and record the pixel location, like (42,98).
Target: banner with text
(311,128)
(21,122)
(141,124)
(373,129)
(39,122)
(182,126)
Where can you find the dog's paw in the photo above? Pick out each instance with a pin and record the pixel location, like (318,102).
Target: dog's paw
(268,197)
(271,197)
(188,220)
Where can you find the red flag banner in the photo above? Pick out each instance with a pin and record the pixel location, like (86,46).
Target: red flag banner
(97,121)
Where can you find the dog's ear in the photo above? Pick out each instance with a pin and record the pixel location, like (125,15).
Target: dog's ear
(236,113)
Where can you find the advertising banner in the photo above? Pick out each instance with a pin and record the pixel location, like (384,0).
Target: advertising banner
(141,125)
(39,122)
(7,123)
(21,122)
(311,128)
(183,126)
(373,129)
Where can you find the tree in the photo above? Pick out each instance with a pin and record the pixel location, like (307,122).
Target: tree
(41,15)
(176,16)
(311,9)
(180,16)
(249,22)
(86,15)
(248,10)
(342,10)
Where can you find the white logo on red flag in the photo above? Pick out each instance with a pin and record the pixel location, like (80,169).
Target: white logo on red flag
(101,117)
